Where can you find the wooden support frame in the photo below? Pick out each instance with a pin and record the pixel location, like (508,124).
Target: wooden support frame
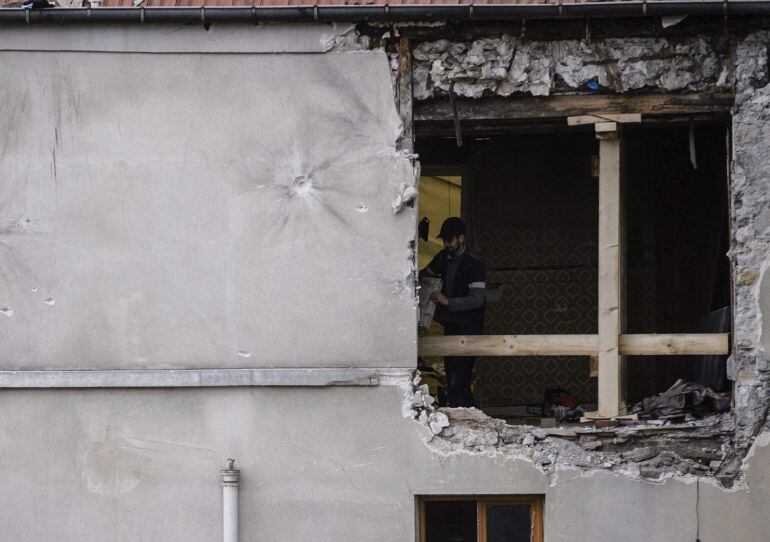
(610,296)
(672,344)
(404,100)
(606,349)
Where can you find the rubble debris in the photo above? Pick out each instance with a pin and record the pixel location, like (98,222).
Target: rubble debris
(682,398)
(642,450)
(506,65)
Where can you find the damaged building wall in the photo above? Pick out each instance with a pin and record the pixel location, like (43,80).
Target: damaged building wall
(317,464)
(203,211)
(508,66)
(750,244)
(327,465)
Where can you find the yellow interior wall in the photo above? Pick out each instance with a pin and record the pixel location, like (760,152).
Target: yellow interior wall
(439,199)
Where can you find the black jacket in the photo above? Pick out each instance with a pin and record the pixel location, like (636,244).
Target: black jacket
(464,313)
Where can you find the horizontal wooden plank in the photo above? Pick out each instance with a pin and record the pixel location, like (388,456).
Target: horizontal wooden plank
(574,345)
(508,345)
(604,117)
(552,107)
(716,344)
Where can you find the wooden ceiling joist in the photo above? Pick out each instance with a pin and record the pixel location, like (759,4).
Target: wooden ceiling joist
(529,108)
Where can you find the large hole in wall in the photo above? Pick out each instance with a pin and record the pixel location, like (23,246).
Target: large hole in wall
(530,202)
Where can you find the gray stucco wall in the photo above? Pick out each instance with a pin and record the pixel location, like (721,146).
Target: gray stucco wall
(211,210)
(162,230)
(330,465)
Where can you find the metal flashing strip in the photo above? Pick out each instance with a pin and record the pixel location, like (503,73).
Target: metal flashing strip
(193,378)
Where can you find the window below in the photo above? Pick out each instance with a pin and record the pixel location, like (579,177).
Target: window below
(481,519)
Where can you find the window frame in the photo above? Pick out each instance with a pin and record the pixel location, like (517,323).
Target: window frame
(536,502)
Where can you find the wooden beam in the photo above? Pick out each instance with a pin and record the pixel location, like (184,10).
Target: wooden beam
(706,344)
(679,344)
(609,275)
(604,117)
(404,101)
(508,345)
(559,107)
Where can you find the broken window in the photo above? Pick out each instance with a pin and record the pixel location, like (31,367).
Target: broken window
(651,234)
(481,519)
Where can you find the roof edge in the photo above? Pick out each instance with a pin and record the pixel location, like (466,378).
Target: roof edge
(384,12)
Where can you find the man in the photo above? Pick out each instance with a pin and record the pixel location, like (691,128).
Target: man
(459,305)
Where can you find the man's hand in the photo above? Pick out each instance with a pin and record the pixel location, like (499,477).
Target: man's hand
(439,298)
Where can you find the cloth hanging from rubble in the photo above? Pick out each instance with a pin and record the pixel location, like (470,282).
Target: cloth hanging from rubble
(683,398)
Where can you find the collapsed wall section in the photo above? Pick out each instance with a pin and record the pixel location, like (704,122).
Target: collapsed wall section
(507,66)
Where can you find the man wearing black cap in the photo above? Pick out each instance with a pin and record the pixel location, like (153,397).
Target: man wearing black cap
(460,304)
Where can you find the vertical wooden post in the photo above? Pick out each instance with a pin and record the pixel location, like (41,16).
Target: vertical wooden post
(404,94)
(610,305)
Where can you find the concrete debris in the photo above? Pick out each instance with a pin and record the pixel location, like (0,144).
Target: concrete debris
(345,39)
(640,450)
(590,442)
(505,65)
(406,195)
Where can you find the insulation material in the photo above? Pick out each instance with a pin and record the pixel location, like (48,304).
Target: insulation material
(167,211)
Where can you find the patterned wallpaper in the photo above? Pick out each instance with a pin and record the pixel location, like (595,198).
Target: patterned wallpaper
(534,221)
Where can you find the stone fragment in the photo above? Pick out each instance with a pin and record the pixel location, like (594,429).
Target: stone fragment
(637,455)
(747,278)
(441,419)
(590,442)
(606,424)
(466,414)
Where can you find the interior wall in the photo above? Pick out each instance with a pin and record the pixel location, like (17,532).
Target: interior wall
(440,198)
(676,216)
(535,225)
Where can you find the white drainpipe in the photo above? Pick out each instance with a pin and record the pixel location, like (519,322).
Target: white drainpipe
(230,482)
